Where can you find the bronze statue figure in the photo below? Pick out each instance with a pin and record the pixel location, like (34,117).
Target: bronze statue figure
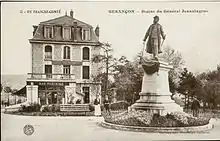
(154,33)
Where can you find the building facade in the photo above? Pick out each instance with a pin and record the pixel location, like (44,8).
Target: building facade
(62,67)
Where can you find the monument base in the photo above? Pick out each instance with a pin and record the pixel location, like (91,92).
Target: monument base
(155,96)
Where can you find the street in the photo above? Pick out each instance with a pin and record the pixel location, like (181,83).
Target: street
(83,129)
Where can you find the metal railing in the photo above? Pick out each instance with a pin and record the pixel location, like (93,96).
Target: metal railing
(50,76)
(48,55)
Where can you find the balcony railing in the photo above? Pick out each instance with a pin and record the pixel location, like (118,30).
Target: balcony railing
(48,55)
(51,76)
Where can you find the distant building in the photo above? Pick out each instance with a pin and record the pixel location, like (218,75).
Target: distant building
(62,70)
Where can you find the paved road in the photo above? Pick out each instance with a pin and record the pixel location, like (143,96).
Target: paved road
(83,129)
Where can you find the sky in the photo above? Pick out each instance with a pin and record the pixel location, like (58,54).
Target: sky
(195,35)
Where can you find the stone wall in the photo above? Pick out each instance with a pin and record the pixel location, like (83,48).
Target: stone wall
(77,71)
(57,52)
(76,53)
(37,58)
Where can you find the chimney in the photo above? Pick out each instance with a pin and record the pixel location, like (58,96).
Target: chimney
(35,29)
(71,13)
(97,31)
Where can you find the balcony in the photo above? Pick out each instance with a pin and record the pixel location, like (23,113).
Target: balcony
(48,56)
(50,77)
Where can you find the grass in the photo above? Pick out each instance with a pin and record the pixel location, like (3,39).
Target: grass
(52,113)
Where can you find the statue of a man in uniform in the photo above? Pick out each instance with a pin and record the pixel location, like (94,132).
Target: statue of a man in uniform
(154,33)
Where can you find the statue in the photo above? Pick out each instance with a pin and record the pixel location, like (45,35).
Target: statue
(155,95)
(154,33)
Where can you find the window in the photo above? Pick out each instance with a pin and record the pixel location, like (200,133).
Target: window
(86,34)
(66,33)
(48,32)
(48,52)
(86,92)
(85,53)
(48,71)
(66,52)
(66,69)
(85,72)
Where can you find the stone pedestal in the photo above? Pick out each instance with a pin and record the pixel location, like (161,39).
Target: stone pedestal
(32,93)
(63,100)
(70,91)
(155,95)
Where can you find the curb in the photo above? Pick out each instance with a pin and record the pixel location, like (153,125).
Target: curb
(192,129)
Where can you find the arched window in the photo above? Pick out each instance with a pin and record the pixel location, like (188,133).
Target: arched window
(48,52)
(66,52)
(85,53)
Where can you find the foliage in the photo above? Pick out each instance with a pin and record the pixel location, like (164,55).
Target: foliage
(210,87)
(191,87)
(187,119)
(7,89)
(163,121)
(50,108)
(127,75)
(175,59)
(128,79)
(133,118)
(106,61)
(32,107)
(119,105)
(91,107)
(145,119)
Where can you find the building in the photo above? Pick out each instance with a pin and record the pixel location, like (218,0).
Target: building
(62,69)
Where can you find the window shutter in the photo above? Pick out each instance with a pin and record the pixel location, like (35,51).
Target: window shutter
(61,32)
(44,32)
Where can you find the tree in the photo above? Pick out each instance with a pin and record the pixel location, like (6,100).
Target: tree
(210,82)
(8,90)
(127,79)
(106,58)
(13,91)
(188,85)
(175,59)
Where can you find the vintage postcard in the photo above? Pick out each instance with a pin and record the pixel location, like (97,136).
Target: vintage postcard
(110,70)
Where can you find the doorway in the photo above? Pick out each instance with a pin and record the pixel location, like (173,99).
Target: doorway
(86,92)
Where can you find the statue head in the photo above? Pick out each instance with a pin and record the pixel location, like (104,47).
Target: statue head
(156,19)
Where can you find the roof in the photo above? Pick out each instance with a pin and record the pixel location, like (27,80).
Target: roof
(57,24)
(65,20)
(21,92)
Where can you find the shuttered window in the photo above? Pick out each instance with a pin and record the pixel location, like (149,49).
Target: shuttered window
(66,33)
(66,52)
(48,52)
(86,34)
(85,53)
(48,32)
(85,72)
